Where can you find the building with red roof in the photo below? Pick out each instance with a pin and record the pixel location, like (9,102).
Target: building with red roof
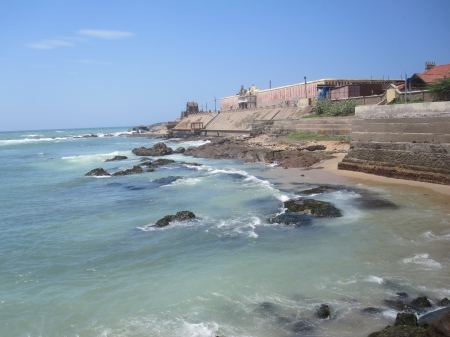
(432,72)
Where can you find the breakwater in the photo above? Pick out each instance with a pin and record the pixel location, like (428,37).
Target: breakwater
(401,141)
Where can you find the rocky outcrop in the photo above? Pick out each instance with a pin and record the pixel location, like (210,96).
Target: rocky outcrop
(159,149)
(98,172)
(180,216)
(157,163)
(312,207)
(135,169)
(117,158)
(420,303)
(179,150)
(228,148)
(300,211)
(440,327)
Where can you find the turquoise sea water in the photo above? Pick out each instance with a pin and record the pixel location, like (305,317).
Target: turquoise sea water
(79,255)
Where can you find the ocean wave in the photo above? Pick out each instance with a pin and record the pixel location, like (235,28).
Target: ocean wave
(239,227)
(5,142)
(429,235)
(423,260)
(374,279)
(91,157)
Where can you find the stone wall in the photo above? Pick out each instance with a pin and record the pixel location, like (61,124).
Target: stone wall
(408,141)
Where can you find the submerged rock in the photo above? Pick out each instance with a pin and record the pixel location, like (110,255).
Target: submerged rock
(133,170)
(376,203)
(371,311)
(159,149)
(180,216)
(117,158)
(398,305)
(157,163)
(98,172)
(318,190)
(301,326)
(324,311)
(312,207)
(167,180)
(289,218)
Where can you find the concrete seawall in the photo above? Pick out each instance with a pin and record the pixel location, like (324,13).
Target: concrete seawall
(409,141)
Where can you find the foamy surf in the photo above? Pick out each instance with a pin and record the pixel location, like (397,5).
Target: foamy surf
(423,260)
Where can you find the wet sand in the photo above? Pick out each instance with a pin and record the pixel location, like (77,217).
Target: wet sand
(326,172)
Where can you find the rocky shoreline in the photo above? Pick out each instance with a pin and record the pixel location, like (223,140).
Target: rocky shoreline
(303,155)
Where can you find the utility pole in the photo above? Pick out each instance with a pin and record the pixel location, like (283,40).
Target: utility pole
(206,106)
(406,86)
(215,99)
(306,93)
(270,84)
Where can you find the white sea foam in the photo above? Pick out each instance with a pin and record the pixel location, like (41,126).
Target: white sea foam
(374,279)
(29,140)
(429,235)
(392,314)
(91,157)
(200,329)
(423,260)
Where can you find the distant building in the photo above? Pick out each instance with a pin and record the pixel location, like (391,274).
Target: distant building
(191,108)
(292,95)
(356,90)
(431,73)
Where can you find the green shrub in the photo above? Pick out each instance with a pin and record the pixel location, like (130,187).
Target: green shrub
(326,107)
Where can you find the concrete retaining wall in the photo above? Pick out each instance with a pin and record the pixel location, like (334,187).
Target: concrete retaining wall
(409,141)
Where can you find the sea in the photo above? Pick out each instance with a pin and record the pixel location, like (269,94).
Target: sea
(80,256)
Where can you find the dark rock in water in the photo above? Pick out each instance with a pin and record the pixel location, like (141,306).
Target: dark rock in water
(179,150)
(400,331)
(376,203)
(98,172)
(312,207)
(317,190)
(143,159)
(167,180)
(440,327)
(324,311)
(301,326)
(445,302)
(162,162)
(117,158)
(401,294)
(164,221)
(431,316)
(190,164)
(267,307)
(398,305)
(315,147)
(289,218)
(156,163)
(420,303)
(159,149)
(184,215)
(180,216)
(406,319)
(371,311)
(133,170)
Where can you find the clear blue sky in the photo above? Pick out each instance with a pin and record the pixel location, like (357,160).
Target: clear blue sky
(86,63)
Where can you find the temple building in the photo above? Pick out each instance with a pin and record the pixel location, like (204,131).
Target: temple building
(294,94)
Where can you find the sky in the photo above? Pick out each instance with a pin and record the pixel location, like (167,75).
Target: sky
(85,63)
